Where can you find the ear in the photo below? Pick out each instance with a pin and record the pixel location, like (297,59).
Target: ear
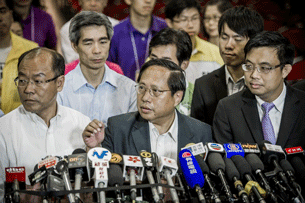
(286,70)
(74,46)
(128,2)
(169,22)
(184,65)
(178,97)
(60,83)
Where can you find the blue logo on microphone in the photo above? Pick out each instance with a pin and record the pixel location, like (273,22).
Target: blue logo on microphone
(100,156)
(233,149)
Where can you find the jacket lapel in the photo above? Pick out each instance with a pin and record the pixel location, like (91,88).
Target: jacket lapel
(250,113)
(140,135)
(289,116)
(220,84)
(184,135)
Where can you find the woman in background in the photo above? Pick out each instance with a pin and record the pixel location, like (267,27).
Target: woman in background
(211,14)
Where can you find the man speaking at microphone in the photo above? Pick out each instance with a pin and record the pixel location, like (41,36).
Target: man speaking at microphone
(157,126)
(269,109)
(39,127)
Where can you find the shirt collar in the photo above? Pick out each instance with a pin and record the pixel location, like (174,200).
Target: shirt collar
(173,131)
(229,77)
(278,102)
(154,25)
(79,79)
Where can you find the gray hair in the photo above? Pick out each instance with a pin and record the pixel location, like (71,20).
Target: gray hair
(88,18)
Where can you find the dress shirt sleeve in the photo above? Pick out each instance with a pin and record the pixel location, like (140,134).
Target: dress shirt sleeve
(221,126)
(197,107)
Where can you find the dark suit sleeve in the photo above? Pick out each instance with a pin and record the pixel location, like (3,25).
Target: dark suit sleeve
(221,126)
(197,107)
(108,141)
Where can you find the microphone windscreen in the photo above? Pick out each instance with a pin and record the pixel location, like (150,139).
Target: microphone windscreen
(79,151)
(286,166)
(115,175)
(204,167)
(231,169)
(242,165)
(255,162)
(216,162)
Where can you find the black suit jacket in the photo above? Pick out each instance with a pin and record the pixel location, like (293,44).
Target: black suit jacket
(237,119)
(128,134)
(209,89)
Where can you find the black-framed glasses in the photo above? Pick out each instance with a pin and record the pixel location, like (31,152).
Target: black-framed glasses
(141,89)
(20,82)
(261,69)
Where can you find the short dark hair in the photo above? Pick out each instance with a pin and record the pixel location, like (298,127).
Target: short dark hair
(175,7)
(58,61)
(176,80)
(179,38)
(272,39)
(242,20)
(88,18)
(222,6)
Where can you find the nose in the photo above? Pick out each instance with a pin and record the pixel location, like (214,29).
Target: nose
(230,43)
(146,96)
(255,73)
(97,48)
(29,88)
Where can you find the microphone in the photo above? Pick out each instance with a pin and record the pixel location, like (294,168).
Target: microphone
(295,155)
(168,167)
(258,168)
(149,163)
(15,181)
(245,171)
(234,176)
(233,150)
(251,148)
(62,168)
(206,171)
(100,158)
(78,169)
(192,172)
(115,176)
(197,149)
(132,171)
(290,172)
(217,166)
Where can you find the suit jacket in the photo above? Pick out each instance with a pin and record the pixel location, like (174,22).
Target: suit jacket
(237,119)
(129,133)
(209,89)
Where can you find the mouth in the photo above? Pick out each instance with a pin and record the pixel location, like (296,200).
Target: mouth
(97,60)
(145,109)
(148,8)
(255,85)
(30,101)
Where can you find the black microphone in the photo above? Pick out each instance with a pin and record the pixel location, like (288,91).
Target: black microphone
(217,166)
(234,176)
(245,171)
(206,171)
(62,168)
(258,168)
(115,179)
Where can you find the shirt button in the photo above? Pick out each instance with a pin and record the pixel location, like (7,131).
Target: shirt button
(143,39)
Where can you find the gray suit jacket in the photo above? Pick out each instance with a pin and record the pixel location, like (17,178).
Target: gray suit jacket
(237,119)
(209,89)
(128,134)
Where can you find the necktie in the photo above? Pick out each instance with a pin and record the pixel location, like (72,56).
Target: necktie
(266,123)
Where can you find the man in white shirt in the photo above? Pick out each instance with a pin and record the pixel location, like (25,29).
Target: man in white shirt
(268,109)
(87,5)
(39,127)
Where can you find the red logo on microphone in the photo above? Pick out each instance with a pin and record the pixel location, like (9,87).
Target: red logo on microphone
(134,159)
(186,154)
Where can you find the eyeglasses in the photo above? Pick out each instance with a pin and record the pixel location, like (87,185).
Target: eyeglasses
(141,89)
(208,19)
(185,20)
(261,69)
(3,11)
(38,83)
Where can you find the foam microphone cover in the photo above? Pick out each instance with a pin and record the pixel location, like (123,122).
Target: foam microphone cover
(255,162)
(204,167)
(115,175)
(242,165)
(286,166)
(216,162)
(79,151)
(231,169)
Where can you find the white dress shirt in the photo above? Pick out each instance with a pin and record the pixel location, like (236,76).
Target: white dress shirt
(275,113)
(25,138)
(167,143)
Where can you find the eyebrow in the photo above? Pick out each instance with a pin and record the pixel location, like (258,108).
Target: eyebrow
(167,58)
(36,75)
(261,63)
(91,39)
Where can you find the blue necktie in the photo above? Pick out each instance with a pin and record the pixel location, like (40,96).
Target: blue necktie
(268,130)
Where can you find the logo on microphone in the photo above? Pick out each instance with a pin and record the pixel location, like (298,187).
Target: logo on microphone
(186,154)
(115,158)
(100,156)
(293,150)
(134,159)
(145,154)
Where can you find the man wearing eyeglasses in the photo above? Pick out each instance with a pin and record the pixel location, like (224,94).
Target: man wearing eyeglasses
(40,126)
(156,126)
(269,109)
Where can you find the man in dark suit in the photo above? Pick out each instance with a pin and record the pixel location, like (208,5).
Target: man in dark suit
(236,26)
(269,109)
(157,126)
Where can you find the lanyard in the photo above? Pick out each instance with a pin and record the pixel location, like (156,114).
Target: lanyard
(32,25)
(134,47)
